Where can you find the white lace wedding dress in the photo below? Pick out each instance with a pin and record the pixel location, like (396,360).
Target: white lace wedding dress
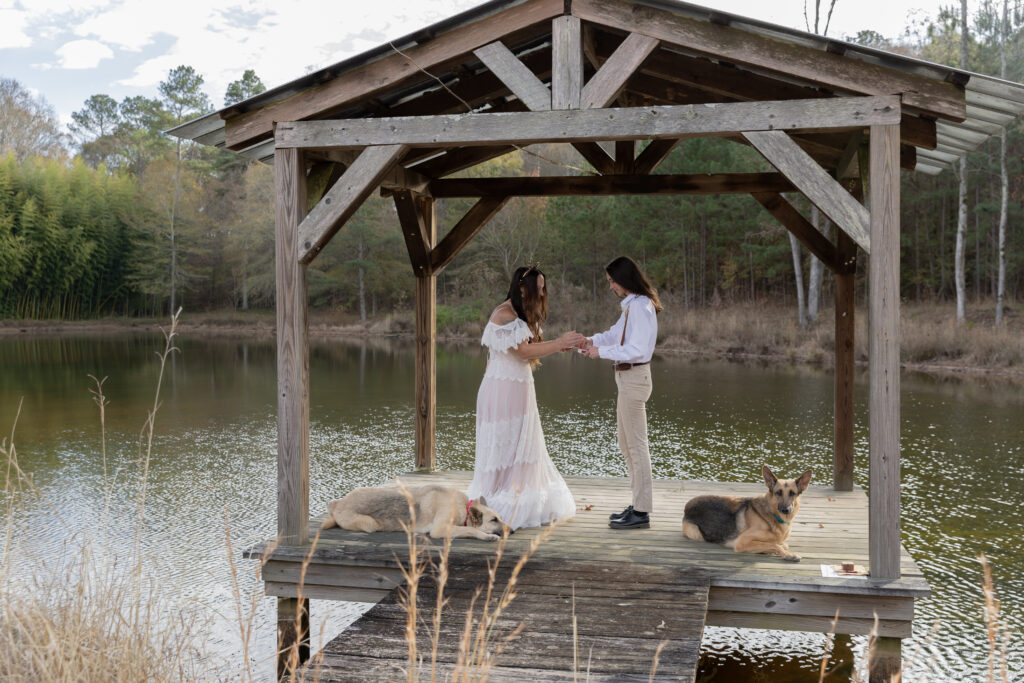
(513,470)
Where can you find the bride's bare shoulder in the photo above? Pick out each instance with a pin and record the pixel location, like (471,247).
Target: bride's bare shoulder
(503,314)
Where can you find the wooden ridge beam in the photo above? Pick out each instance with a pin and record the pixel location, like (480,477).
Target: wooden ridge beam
(379,76)
(815,183)
(345,198)
(554,186)
(800,227)
(464,231)
(591,125)
(943,100)
(604,86)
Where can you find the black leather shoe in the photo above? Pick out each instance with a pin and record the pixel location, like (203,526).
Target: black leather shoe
(620,515)
(632,520)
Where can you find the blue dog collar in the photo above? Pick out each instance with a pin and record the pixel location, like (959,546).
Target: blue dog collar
(778,519)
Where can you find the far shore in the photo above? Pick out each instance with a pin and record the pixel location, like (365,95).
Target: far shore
(932,343)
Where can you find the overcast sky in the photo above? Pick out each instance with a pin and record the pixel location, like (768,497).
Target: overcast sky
(67,50)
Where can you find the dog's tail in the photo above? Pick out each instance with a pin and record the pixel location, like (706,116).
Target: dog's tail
(329,523)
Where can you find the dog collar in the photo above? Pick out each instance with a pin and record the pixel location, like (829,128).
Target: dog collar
(778,519)
(467,510)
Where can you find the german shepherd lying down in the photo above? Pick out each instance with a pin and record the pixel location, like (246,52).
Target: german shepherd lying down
(749,525)
(440,511)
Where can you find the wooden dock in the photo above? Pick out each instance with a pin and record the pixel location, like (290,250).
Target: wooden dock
(612,572)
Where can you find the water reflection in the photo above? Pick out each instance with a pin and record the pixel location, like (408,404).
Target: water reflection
(214,455)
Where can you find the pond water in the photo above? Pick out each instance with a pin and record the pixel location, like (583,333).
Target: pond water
(214,458)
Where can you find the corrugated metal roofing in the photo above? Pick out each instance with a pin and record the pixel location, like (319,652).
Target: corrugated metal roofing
(992,103)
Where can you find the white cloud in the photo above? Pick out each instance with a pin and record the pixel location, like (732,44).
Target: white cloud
(83,54)
(12,28)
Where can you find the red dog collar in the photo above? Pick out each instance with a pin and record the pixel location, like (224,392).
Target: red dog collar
(467,510)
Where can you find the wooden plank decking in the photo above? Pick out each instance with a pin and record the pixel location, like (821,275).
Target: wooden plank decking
(754,591)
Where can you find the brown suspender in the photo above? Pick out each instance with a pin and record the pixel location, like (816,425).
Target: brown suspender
(623,340)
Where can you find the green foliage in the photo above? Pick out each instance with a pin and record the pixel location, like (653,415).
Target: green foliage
(247,86)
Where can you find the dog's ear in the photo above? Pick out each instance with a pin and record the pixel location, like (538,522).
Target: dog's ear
(482,501)
(803,481)
(769,479)
(473,515)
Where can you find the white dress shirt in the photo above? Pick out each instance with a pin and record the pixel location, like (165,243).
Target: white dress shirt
(641,332)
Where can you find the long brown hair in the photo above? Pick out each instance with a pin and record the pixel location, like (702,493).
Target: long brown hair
(529,301)
(628,275)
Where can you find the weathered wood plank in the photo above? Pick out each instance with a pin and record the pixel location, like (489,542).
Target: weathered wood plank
(566,63)
(810,604)
(802,229)
(464,231)
(344,199)
(313,591)
(884,354)
(697,183)
(515,75)
(797,622)
(604,86)
(944,100)
(590,125)
(318,574)
(815,183)
(381,75)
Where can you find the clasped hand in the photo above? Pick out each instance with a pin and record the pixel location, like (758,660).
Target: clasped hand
(575,340)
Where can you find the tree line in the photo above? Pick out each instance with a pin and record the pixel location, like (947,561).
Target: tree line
(114,217)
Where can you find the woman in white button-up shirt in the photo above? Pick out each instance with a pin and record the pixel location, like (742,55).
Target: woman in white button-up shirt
(629,343)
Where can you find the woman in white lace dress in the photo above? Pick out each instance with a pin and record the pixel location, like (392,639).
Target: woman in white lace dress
(513,470)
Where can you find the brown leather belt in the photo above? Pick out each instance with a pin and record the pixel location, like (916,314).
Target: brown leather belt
(619,367)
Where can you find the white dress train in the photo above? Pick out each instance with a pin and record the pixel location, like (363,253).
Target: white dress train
(513,470)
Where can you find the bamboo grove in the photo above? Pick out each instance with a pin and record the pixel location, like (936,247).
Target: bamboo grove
(134,223)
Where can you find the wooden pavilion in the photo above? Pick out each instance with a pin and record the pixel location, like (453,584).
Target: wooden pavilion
(622,81)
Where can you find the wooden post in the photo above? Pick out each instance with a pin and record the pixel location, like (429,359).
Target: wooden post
(292,394)
(884,354)
(885,659)
(842,445)
(426,347)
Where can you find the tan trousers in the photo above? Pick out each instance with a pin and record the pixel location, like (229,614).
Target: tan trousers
(634,389)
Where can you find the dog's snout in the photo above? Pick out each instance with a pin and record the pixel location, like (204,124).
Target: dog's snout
(785,509)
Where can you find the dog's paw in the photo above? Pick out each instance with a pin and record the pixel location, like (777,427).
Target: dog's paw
(791,558)
(492,537)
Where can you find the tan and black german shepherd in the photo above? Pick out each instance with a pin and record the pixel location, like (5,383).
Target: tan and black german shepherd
(759,524)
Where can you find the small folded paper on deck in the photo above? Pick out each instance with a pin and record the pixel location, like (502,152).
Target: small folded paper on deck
(859,571)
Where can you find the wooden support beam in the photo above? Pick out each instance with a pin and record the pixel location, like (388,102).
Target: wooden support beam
(884,355)
(845,360)
(415,231)
(463,231)
(396,176)
(812,180)
(802,229)
(598,158)
(292,391)
(566,63)
(767,53)
(604,86)
(515,75)
(345,198)
(426,345)
(625,155)
(553,186)
(885,659)
(652,155)
(591,125)
(384,74)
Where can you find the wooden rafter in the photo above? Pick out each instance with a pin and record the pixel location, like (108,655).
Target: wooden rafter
(833,71)
(815,183)
(653,154)
(344,199)
(516,76)
(697,183)
(591,125)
